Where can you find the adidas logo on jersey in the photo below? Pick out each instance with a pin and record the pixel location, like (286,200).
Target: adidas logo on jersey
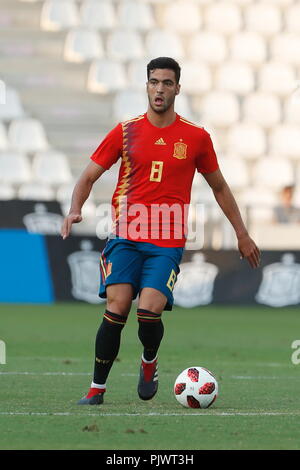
(160,142)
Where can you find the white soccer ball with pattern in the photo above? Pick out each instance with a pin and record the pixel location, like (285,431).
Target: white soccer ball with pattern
(196,387)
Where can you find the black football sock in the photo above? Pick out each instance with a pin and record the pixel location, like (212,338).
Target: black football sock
(150,332)
(107,345)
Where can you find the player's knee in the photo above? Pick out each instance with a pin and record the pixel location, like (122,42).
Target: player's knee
(119,306)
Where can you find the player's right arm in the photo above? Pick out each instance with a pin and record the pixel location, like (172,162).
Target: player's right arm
(80,194)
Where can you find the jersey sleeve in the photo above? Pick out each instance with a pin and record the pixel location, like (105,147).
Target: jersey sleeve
(110,148)
(206,161)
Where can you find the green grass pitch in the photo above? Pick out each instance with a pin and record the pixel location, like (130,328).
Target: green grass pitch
(49,361)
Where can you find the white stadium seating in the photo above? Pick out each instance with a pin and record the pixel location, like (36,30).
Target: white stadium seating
(235,77)
(128,104)
(235,171)
(164,43)
(106,76)
(196,77)
(7,192)
(135,15)
(277,77)
(27,135)
(240,65)
(3,137)
(36,192)
(99,15)
(223,17)
(249,47)
(264,18)
(12,107)
(292,18)
(220,109)
(262,108)
(59,15)
(209,47)
(285,140)
(124,45)
(285,48)
(182,16)
(83,45)
(14,168)
(273,172)
(247,140)
(292,109)
(51,167)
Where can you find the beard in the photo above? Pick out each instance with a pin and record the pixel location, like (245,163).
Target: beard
(164,107)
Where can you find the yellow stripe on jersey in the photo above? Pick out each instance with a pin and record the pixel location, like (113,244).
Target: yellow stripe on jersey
(190,123)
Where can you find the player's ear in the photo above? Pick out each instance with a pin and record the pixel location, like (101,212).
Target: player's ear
(178,89)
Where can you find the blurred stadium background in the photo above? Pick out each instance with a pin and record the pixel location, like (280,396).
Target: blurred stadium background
(71,69)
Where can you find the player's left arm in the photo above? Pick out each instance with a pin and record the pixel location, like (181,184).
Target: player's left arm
(227,202)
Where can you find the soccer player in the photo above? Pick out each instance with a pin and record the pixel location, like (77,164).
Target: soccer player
(159,152)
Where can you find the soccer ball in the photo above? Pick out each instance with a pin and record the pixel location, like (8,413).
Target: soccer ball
(196,387)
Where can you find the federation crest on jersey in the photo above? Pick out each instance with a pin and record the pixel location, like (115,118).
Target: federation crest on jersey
(180,150)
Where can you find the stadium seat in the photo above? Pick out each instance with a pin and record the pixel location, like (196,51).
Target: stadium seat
(3,137)
(263,18)
(6,192)
(82,45)
(249,47)
(259,202)
(14,168)
(223,18)
(235,77)
(182,17)
(276,77)
(292,109)
(164,43)
(196,78)
(285,48)
(235,171)
(12,107)
(285,140)
(220,109)
(27,135)
(128,104)
(246,140)
(208,47)
(36,192)
(51,167)
(183,108)
(135,15)
(99,15)
(273,172)
(106,76)
(262,108)
(137,73)
(292,14)
(59,15)
(124,45)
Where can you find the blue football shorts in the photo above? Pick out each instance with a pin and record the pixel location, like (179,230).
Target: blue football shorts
(140,264)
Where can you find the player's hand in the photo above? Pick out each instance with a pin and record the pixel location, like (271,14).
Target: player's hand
(68,222)
(249,250)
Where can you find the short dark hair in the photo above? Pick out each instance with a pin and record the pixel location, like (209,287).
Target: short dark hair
(164,63)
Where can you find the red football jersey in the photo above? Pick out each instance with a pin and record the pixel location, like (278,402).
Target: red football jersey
(150,202)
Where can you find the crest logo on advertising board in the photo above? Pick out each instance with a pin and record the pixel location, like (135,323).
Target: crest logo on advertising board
(195,282)
(84,266)
(280,285)
(41,221)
